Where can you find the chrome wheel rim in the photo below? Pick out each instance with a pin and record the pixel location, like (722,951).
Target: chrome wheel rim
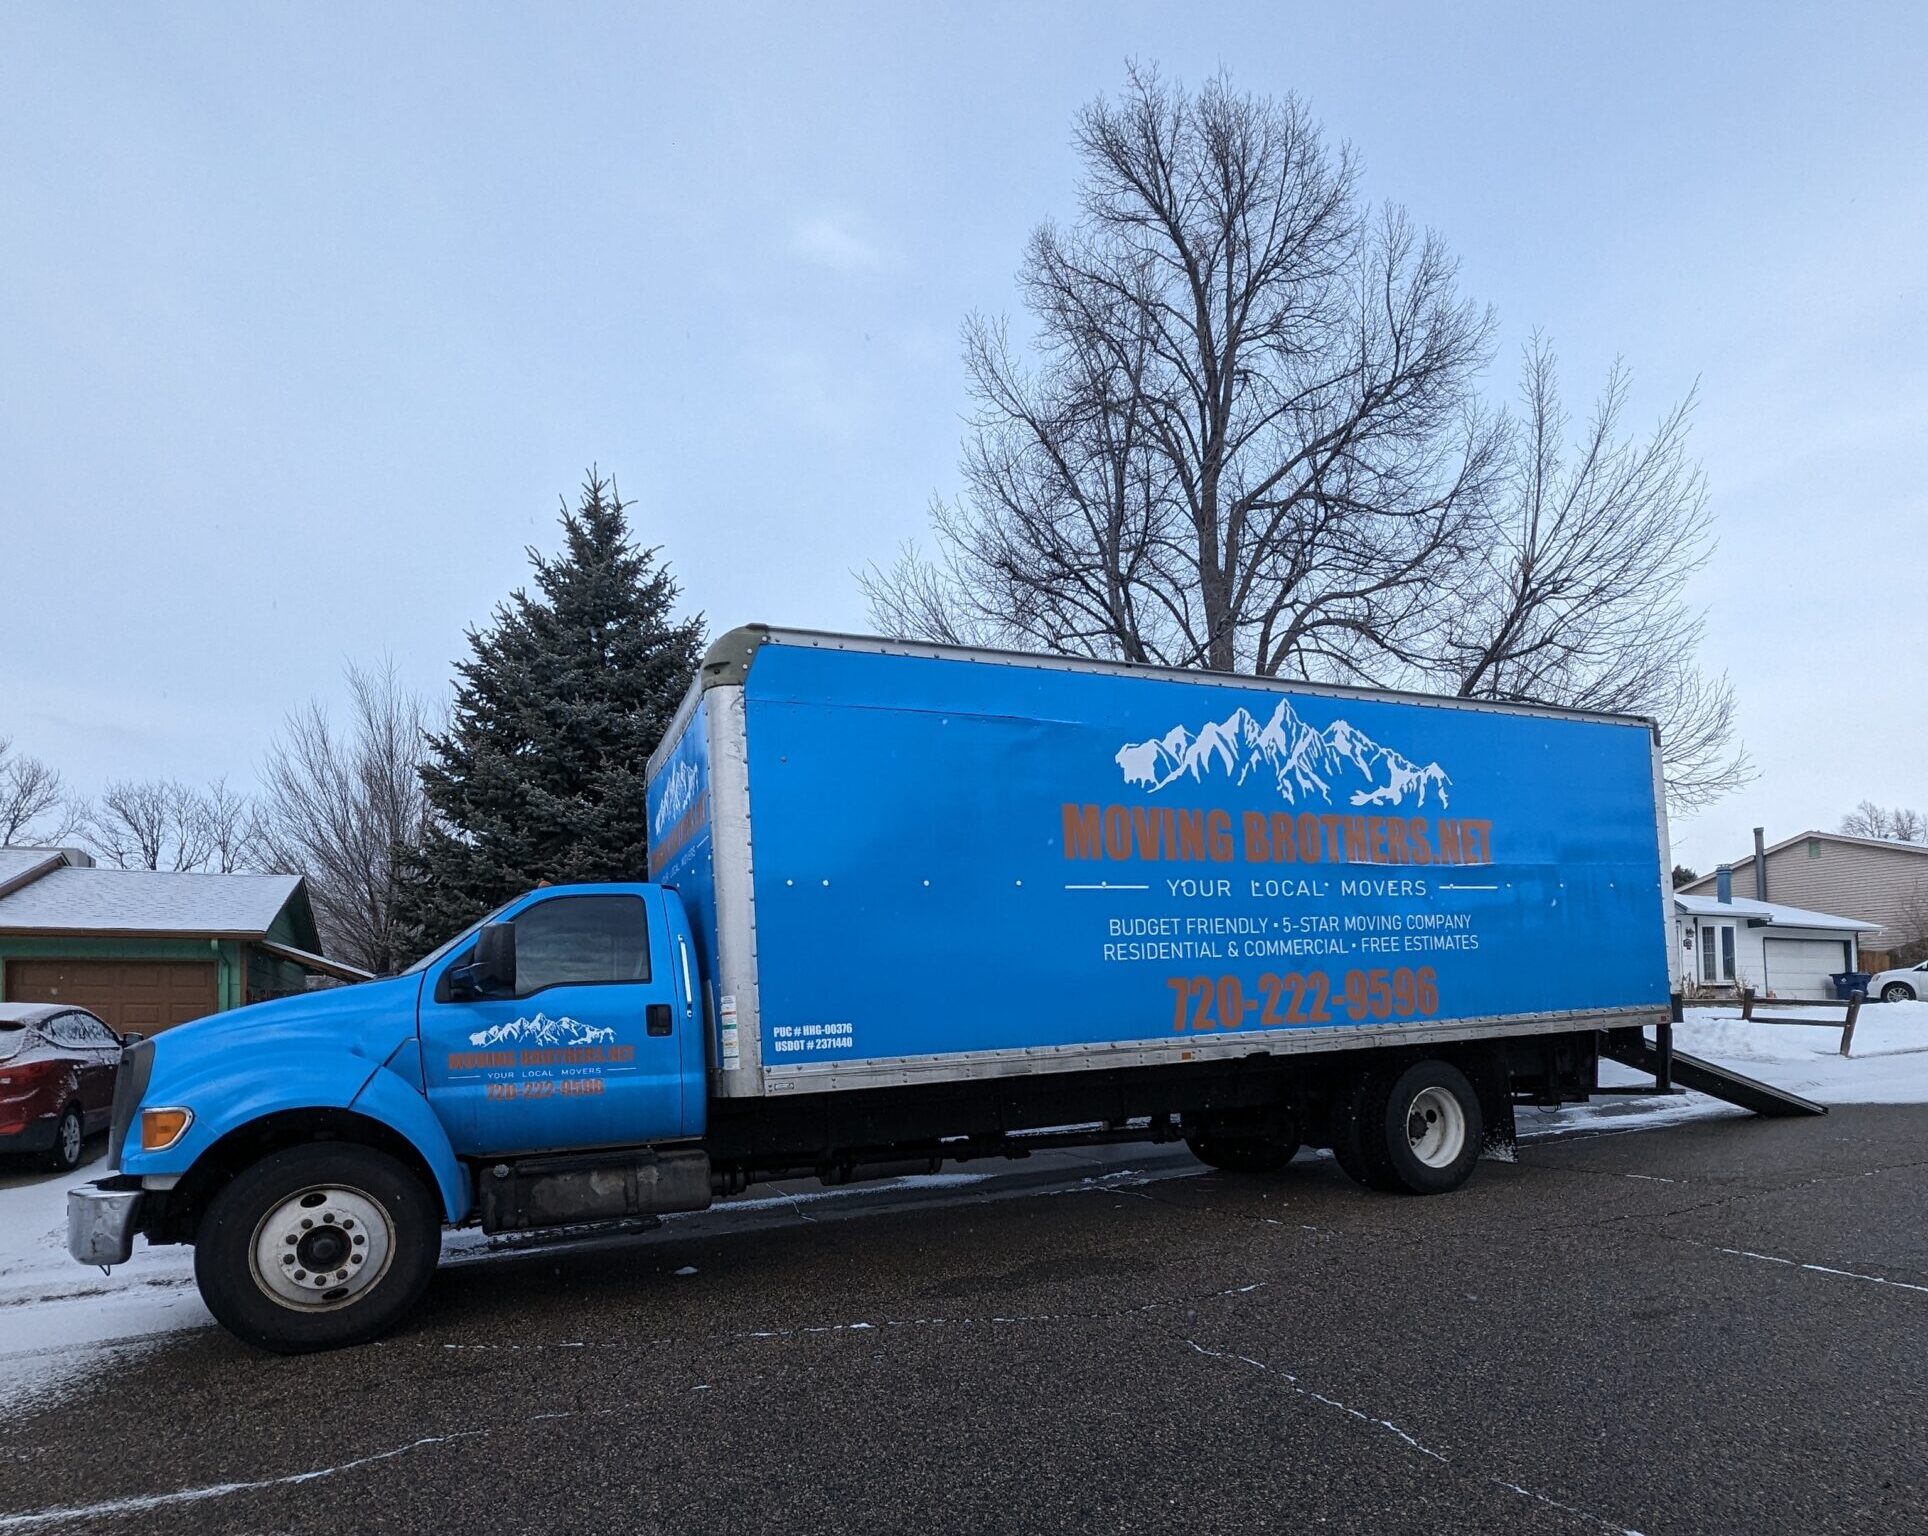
(1897,994)
(322,1248)
(1435,1127)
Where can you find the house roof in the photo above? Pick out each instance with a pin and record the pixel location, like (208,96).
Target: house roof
(1893,845)
(15,862)
(340,969)
(147,901)
(1771,913)
(20,865)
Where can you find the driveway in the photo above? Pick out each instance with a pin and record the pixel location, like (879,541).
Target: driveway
(1714,1326)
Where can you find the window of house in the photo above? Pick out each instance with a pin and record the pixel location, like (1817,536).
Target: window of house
(1814,847)
(1717,952)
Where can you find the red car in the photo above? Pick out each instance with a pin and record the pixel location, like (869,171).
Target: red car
(57,1069)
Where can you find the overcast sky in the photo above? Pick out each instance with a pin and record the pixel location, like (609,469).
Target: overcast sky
(309,314)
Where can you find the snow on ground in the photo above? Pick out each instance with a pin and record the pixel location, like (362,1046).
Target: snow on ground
(1889,1066)
(60,1323)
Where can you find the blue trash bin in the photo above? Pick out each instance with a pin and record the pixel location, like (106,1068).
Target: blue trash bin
(1846,983)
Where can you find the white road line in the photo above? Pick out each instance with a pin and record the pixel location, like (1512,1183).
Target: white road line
(1822,1269)
(140,1503)
(1292,1383)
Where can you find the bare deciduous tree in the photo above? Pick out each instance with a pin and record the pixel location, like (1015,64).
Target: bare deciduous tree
(337,803)
(165,824)
(231,830)
(1249,439)
(1896,823)
(34,807)
(1576,596)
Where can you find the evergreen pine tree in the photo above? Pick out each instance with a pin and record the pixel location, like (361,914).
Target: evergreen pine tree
(540,776)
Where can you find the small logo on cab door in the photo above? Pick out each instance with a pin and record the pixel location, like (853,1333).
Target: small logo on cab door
(543,1030)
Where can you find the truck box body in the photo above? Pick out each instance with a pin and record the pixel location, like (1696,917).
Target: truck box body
(912,864)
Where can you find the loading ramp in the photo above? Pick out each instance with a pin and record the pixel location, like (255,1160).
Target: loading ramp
(1671,1068)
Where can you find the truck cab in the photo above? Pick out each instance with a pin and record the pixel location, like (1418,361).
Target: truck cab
(305,1145)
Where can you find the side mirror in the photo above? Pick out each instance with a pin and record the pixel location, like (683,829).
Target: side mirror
(493,968)
(132,1037)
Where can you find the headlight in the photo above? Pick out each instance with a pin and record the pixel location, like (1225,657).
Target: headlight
(161,1128)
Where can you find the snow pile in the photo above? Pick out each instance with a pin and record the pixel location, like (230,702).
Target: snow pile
(1889,1064)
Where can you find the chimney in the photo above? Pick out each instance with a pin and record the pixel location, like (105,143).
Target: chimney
(1724,883)
(1760,866)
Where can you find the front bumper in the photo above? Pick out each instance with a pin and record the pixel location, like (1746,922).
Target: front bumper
(102,1219)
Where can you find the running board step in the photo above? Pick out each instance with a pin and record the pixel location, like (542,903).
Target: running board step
(1703,1076)
(576,1232)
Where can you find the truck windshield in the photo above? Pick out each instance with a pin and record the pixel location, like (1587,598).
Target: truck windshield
(450,944)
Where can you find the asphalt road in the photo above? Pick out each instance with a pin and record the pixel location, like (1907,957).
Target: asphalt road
(1604,1336)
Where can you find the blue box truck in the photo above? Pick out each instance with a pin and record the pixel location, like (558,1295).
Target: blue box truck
(910,904)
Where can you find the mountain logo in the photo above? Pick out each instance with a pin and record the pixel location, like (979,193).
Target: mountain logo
(679,794)
(543,1030)
(1303,764)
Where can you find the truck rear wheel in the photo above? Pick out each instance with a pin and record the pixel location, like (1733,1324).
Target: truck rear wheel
(1419,1130)
(1345,1130)
(1242,1154)
(317,1247)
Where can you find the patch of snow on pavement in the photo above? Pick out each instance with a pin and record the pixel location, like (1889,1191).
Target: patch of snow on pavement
(58,1320)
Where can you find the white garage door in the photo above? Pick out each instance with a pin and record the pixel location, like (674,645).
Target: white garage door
(1801,967)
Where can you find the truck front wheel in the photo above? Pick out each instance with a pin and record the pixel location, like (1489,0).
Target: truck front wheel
(316,1247)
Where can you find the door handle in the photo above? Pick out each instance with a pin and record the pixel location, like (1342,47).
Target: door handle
(657,1017)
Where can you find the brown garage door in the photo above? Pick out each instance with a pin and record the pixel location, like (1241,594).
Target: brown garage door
(147,995)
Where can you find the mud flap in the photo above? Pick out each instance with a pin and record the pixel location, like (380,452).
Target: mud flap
(1488,1071)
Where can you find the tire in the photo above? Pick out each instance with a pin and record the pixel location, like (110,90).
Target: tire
(1243,1154)
(1348,1108)
(1420,1130)
(1897,992)
(69,1136)
(317,1247)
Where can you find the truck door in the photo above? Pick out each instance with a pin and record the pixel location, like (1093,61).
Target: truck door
(584,1052)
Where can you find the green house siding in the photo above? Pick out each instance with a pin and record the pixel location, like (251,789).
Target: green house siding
(226,953)
(294,924)
(270,976)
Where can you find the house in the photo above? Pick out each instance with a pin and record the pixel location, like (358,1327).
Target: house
(1728,942)
(146,949)
(1883,881)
